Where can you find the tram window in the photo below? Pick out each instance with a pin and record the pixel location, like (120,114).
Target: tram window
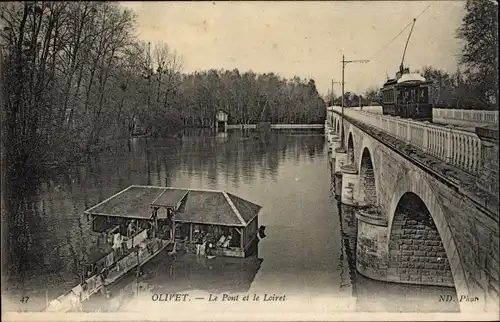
(403,98)
(424,95)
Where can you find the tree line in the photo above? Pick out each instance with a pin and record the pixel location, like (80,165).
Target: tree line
(75,79)
(249,98)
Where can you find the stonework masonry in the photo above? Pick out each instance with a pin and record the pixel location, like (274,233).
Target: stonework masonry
(350,185)
(489,167)
(367,191)
(466,231)
(417,254)
(371,258)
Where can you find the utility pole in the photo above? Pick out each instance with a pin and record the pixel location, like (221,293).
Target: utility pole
(333,82)
(331,97)
(345,62)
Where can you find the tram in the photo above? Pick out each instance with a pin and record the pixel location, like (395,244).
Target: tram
(407,95)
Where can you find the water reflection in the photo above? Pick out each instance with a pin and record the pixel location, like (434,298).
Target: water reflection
(183,275)
(34,242)
(47,235)
(310,249)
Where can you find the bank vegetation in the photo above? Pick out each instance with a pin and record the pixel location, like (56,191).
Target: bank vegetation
(76,80)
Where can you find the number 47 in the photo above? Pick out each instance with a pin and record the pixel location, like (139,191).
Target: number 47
(25,299)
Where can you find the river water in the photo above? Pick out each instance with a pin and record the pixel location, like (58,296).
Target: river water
(308,253)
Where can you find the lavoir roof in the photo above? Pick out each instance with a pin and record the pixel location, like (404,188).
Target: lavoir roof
(189,205)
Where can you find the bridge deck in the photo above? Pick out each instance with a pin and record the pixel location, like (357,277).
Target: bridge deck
(462,181)
(440,121)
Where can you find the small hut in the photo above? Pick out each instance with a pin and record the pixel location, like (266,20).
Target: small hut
(221,118)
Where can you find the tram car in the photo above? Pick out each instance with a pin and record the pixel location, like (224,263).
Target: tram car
(407,96)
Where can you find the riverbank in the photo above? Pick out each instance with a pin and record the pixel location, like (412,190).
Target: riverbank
(276,126)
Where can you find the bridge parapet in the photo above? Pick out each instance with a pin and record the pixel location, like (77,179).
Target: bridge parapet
(489,157)
(421,219)
(453,146)
(455,116)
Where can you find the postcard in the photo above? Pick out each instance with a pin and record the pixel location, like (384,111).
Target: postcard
(249,160)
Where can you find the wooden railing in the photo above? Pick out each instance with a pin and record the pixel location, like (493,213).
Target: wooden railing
(453,146)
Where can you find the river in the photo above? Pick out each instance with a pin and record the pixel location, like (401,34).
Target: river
(308,252)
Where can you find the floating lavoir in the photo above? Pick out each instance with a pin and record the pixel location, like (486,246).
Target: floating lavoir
(136,224)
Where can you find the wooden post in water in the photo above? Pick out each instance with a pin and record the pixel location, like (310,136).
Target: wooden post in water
(137,272)
(155,222)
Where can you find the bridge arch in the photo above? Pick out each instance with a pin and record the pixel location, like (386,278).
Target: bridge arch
(413,192)
(368,191)
(350,148)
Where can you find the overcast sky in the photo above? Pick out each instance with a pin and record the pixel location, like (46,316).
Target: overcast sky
(305,38)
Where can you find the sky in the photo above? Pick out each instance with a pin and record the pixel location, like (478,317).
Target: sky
(306,39)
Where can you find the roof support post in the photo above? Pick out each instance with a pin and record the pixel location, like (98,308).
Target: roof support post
(242,238)
(172,234)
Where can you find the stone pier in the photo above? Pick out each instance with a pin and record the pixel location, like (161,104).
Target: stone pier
(334,144)
(425,201)
(340,159)
(350,183)
(371,252)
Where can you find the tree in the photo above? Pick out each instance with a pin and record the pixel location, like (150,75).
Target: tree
(371,96)
(75,81)
(443,88)
(479,30)
(330,98)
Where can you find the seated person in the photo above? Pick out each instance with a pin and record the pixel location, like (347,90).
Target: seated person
(198,236)
(130,229)
(227,242)
(166,230)
(221,241)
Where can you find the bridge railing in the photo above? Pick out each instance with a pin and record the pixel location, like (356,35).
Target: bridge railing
(457,147)
(472,116)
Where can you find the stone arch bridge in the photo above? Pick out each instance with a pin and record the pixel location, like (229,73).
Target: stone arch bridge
(426,199)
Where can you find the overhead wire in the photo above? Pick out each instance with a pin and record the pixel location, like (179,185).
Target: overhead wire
(399,34)
(402,30)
